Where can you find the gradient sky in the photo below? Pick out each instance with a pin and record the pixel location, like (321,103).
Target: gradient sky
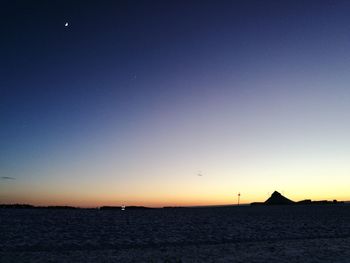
(133,99)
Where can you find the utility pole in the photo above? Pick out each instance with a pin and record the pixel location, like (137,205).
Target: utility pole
(239,196)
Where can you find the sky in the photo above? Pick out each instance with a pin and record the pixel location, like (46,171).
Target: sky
(133,100)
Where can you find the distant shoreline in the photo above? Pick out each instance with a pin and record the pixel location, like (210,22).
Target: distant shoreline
(110,208)
(117,208)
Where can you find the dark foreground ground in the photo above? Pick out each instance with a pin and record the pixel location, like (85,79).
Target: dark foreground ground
(237,234)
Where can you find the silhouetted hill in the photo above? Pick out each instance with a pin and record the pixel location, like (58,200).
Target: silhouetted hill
(277,199)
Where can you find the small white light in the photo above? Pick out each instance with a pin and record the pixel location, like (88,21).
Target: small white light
(66,24)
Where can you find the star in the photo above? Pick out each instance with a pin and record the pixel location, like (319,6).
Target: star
(66,24)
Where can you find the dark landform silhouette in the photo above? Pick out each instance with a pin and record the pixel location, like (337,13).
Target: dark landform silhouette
(126,207)
(275,199)
(16,206)
(278,199)
(26,206)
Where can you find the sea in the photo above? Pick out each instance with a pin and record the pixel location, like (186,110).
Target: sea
(314,233)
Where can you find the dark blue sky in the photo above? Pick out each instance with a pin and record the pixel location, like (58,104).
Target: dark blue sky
(128,83)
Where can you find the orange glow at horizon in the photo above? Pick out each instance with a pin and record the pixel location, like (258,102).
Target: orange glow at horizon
(297,178)
(166,200)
